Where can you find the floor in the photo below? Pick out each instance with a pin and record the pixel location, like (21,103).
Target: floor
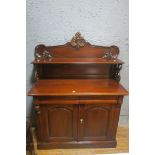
(122,146)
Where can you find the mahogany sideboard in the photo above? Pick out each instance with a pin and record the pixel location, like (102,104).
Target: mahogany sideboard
(77,95)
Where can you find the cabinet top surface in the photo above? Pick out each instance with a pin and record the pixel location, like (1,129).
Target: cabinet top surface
(77,87)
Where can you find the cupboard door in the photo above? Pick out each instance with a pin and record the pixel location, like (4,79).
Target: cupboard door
(59,122)
(93,122)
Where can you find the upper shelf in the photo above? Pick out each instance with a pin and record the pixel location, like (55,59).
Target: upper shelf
(78,61)
(76,51)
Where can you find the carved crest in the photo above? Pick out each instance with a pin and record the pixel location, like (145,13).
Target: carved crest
(78,41)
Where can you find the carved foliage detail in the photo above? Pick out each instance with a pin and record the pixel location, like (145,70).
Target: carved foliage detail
(110,55)
(78,41)
(45,55)
(117,69)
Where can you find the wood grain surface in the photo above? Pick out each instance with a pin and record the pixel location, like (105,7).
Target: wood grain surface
(77,87)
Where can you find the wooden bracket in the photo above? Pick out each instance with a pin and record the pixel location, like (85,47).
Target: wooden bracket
(117,69)
(36,76)
(37,109)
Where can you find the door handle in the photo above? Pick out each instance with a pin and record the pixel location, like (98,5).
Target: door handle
(81,120)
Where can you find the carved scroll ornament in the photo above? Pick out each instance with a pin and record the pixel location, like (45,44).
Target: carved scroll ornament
(78,41)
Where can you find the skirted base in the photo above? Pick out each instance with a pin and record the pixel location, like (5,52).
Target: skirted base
(80,144)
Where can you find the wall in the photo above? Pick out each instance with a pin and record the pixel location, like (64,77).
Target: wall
(101,22)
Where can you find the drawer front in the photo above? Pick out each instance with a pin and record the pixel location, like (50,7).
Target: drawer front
(56,100)
(77,100)
(106,100)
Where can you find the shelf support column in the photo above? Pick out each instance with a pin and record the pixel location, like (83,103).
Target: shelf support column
(36,76)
